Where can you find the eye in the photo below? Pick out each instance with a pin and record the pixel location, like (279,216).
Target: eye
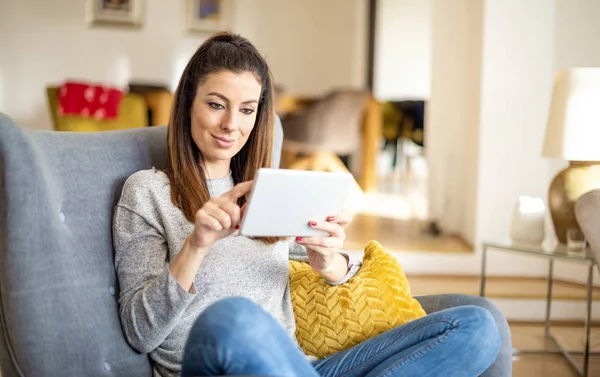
(216,106)
(247,111)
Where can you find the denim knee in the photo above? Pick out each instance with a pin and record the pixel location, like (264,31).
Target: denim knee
(233,319)
(484,335)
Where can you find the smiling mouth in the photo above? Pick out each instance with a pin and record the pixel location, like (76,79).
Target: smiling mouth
(224,142)
(224,139)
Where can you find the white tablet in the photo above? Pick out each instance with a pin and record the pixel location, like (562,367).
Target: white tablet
(282,202)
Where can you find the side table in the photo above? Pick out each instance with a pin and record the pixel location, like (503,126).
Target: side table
(559,252)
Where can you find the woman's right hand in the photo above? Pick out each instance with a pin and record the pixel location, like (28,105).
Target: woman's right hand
(219,217)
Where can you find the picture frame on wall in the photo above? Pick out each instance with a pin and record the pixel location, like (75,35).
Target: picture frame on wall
(209,15)
(115,12)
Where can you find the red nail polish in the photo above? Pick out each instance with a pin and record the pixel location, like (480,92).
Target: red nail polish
(298,238)
(237,227)
(313,223)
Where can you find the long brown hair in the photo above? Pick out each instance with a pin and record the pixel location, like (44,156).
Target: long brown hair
(221,52)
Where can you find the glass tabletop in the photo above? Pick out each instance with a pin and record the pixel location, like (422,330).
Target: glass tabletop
(558,251)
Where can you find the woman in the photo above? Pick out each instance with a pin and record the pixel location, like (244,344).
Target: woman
(187,275)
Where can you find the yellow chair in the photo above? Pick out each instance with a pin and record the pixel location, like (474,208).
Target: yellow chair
(159,103)
(159,100)
(133,113)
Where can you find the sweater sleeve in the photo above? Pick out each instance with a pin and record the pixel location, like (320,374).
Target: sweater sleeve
(151,301)
(298,253)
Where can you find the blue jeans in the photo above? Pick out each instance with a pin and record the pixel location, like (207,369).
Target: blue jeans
(502,367)
(235,337)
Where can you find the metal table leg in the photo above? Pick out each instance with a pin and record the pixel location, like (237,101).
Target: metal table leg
(549,296)
(482,278)
(547,329)
(547,321)
(588,320)
(583,370)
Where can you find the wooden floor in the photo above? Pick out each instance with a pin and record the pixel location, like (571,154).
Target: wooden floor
(531,337)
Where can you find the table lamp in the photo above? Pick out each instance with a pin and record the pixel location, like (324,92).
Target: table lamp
(573,134)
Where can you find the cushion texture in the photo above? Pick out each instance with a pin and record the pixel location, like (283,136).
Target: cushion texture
(330,318)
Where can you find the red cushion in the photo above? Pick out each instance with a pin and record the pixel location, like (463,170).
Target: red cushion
(88,100)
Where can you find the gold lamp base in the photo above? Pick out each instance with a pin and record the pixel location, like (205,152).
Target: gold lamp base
(565,189)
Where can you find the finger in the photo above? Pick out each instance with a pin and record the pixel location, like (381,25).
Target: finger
(332,228)
(207,221)
(326,242)
(233,210)
(320,249)
(215,211)
(238,191)
(341,218)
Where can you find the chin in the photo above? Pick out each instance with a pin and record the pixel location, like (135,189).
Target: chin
(222,155)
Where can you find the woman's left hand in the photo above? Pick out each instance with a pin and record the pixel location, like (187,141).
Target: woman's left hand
(323,251)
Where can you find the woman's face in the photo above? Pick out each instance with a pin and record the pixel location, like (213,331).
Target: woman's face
(223,115)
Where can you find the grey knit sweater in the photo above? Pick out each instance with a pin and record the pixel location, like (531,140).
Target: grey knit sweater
(156,312)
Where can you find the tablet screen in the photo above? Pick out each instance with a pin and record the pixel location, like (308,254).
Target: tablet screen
(282,202)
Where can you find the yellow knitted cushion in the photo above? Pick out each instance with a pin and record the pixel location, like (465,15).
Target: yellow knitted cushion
(330,319)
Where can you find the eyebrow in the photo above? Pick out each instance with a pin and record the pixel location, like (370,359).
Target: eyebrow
(227,99)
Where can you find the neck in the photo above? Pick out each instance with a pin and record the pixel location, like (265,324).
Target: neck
(217,170)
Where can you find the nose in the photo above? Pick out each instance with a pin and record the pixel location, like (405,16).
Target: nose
(229,121)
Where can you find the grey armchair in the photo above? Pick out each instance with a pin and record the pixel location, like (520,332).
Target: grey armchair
(58,286)
(587,212)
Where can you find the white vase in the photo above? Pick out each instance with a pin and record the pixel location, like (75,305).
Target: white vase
(528,221)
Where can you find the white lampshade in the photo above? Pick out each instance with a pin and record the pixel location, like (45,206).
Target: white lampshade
(573,129)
